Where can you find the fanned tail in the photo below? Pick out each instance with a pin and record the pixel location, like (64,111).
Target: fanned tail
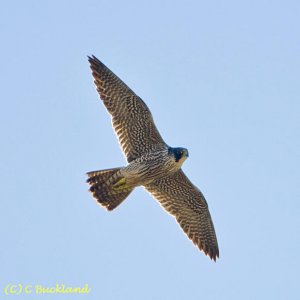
(108,187)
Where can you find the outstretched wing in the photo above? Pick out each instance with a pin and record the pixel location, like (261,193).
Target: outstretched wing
(186,203)
(131,118)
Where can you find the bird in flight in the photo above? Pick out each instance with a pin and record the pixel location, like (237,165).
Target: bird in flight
(151,163)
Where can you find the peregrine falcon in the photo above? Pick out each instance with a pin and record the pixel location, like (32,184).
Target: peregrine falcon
(151,163)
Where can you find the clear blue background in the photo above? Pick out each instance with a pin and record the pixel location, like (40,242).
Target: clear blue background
(220,77)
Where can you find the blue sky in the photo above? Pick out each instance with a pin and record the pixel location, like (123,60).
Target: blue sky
(221,79)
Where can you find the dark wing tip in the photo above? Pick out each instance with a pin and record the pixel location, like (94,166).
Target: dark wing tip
(92,58)
(210,250)
(213,253)
(95,62)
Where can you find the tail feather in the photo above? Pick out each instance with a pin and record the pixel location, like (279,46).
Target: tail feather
(102,187)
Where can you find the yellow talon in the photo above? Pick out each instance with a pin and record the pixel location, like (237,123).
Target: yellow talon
(120,185)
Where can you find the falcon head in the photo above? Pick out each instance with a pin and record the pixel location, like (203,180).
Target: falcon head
(179,154)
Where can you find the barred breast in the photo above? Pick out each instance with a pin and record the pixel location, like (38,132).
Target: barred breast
(149,167)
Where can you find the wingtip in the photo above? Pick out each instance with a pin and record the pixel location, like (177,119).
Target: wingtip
(212,253)
(214,256)
(93,58)
(95,63)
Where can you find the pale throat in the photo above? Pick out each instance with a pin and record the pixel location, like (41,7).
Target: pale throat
(180,162)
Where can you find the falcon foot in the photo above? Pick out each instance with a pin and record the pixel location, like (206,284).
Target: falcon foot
(120,185)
